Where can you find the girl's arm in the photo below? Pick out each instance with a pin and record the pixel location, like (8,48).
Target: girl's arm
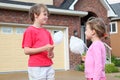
(97,53)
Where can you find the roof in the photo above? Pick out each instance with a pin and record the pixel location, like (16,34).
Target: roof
(116,8)
(16,2)
(66,4)
(110,12)
(23,3)
(25,6)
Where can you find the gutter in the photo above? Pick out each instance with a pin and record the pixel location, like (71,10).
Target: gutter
(51,10)
(115,19)
(67,12)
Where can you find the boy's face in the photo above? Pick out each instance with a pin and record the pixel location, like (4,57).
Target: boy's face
(43,17)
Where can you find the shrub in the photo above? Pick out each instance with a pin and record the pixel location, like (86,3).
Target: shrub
(111,68)
(115,61)
(80,67)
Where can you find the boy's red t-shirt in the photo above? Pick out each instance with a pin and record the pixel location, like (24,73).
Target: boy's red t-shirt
(37,37)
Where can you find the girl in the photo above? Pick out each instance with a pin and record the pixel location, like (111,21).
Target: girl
(96,54)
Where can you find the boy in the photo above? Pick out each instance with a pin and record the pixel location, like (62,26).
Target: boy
(38,44)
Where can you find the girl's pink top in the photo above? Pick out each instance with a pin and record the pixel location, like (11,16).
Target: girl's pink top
(95,61)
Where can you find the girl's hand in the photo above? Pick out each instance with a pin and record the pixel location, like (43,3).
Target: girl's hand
(83,58)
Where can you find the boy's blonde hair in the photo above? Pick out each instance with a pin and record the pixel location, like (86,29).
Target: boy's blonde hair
(36,9)
(98,25)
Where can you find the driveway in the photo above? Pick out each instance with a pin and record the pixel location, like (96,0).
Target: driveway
(60,75)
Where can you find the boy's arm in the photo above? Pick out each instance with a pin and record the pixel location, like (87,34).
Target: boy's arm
(51,53)
(29,51)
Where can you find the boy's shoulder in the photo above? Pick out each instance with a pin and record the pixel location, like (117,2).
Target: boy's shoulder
(29,28)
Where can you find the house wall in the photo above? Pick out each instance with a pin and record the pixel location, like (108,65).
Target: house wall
(94,6)
(72,22)
(115,41)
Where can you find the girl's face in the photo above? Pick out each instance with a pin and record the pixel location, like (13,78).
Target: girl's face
(88,32)
(43,17)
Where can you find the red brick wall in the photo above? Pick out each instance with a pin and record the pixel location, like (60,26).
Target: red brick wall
(12,16)
(94,6)
(74,24)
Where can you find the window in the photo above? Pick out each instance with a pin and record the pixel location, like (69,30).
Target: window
(55,31)
(7,30)
(113,27)
(20,30)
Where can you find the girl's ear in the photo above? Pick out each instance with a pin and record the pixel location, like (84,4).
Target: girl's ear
(93,32)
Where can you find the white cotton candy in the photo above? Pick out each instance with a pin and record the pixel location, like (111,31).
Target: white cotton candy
(77,45)
(58,37)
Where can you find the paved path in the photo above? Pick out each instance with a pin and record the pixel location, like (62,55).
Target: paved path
(77,75)
(60,75)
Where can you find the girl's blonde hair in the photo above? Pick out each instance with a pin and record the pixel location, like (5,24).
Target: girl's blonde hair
(98,25)
(36,9)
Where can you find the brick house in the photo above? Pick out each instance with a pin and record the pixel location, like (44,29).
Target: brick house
(68,16)
(114,30)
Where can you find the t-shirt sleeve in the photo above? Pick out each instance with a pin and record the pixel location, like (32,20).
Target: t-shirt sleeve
(51,39)
(27,39)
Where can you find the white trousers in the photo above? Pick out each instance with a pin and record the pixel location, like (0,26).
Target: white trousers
(41,73)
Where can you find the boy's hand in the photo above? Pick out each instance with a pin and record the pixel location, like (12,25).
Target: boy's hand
(49,47)
(50,55)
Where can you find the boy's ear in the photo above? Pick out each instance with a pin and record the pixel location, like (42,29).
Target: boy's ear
(35,15)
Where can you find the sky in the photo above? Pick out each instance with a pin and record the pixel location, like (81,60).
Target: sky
(113,1)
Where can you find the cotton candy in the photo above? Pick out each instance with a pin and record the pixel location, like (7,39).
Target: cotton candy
(58,37)
(77,45)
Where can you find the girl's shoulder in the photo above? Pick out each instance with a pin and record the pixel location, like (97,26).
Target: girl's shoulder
(98,44)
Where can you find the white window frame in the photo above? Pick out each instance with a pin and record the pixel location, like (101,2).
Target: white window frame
(19,32)
(3,27)
(116,27)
